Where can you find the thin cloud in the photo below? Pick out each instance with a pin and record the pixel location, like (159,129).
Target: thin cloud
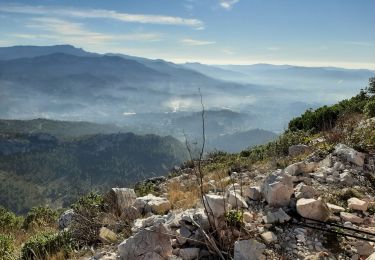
(75,32)
(228,4)
(192,42)
(101,13)
(273,48)
(363,44)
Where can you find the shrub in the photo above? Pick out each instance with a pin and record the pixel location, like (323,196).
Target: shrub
(40,216)
(85,225)
(6,247)
(325,118)
(43,245)
(277,148)
(9,220)
(90,202)
(144,189)
(369,109)
(234,218)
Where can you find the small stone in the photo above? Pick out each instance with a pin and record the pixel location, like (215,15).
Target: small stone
(278,216)
(351,218)
(107,236)
(254,193)
(269,237)
(334,208)
(249,250)
(247,217)
(357,204)
(189,253)
(364,248)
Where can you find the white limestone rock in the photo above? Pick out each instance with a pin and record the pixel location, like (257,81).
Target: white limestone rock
(313,209)
(149,243)
(349,154)
(357,204)
(277,189)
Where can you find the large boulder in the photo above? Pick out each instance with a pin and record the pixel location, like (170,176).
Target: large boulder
(151,203)
(216,204)
(349,154)
(313,209)
(148,243)
(249,250)
(121,199)
(66,219)
(277,189)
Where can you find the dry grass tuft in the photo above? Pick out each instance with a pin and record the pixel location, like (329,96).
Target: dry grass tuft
(183,196)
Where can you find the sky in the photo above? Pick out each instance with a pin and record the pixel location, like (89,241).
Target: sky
(299,32)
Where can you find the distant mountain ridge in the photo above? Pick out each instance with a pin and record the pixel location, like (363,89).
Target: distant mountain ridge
(60,129)
(67,83)
(17,52)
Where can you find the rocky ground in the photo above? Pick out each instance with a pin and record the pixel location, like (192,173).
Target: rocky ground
(289,213)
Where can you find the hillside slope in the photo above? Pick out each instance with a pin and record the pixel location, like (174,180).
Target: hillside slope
(55,172)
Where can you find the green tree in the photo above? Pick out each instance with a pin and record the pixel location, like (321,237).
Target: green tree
(371,85)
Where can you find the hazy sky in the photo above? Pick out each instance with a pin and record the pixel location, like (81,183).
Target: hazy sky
(303,32)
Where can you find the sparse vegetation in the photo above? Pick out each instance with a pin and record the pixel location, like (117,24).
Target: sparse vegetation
(9,221)
(40,216)
(6,247)
(45,245)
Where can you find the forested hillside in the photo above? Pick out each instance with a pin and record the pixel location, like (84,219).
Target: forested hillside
(37,169)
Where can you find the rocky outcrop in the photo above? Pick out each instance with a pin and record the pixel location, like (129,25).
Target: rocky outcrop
(349,154)
(149,243)
(277,189)
(301,168)
(122,199)
(151,203)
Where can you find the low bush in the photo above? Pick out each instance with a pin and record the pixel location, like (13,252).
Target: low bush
(40,217)
(9,220)
(46,244)
(144,189)
(85,225)
(369,109)
(325,118)
(92,202)
(277,148)
(234,218)
(6,247)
